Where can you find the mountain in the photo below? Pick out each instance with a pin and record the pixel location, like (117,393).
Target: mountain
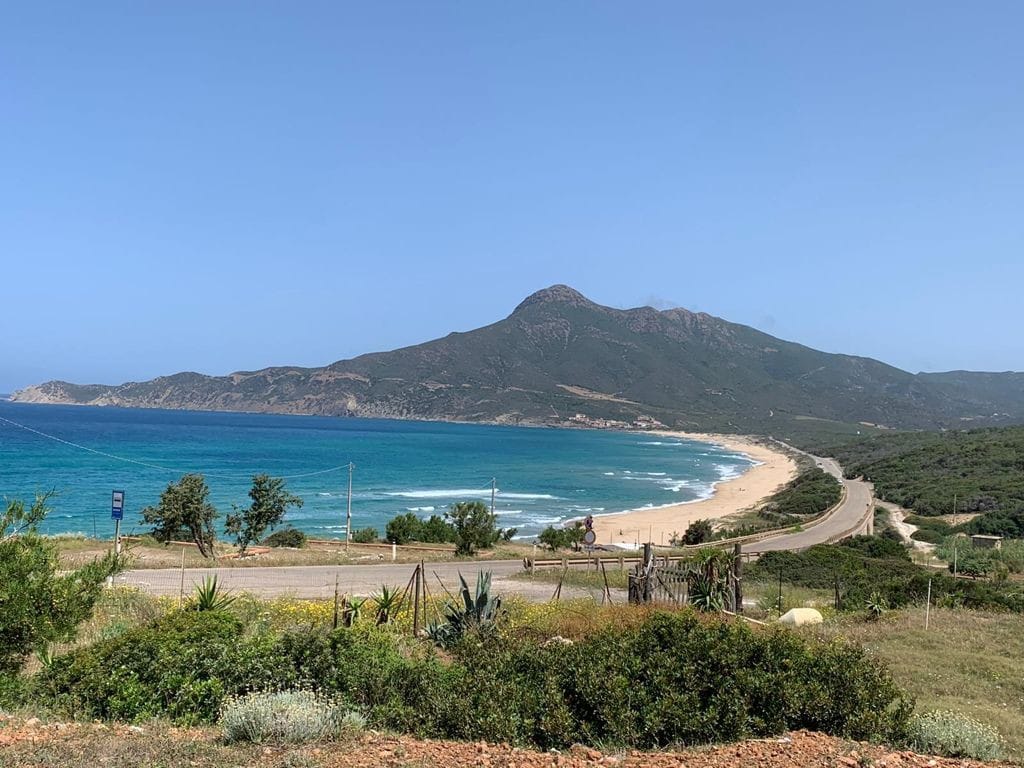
(559,354)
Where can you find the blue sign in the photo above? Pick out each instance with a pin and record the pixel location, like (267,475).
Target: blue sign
(117,506)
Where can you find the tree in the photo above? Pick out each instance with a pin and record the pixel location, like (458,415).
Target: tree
(554,538)
(184,512)
(436,530)
(403,529)
(698,532)
(270,501)
(39,602)
(475,527)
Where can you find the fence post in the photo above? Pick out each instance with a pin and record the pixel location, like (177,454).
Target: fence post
(737,577)
(417,579)
(648,572)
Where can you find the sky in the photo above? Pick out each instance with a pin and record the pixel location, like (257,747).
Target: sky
(220,186)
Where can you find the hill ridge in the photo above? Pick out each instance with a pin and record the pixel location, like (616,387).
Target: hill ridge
(682,369)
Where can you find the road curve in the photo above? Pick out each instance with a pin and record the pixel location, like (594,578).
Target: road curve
(857,501)
(318,581)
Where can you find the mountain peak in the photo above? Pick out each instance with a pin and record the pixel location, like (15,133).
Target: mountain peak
(556,294)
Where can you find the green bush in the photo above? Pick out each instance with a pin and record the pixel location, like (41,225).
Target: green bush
(365,536)
(810,493)
(953,735)
(286,537)
(40,602)
(408,527)
(698,532)
(285,717)
(675,678)
(896,580)
(927,535)
(177,666)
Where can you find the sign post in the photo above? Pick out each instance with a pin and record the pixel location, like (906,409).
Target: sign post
(117,514)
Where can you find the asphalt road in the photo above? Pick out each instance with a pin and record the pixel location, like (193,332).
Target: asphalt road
(315,580)
(319,581)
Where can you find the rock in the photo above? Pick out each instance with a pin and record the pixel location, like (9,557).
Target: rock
(801,617)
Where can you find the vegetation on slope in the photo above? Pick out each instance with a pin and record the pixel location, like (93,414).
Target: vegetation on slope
(923,471)
(868,568)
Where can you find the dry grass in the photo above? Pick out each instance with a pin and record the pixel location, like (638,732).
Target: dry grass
(144,554)
(968,661)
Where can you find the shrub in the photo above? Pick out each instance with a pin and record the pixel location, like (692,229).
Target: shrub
(179,665)
(809,493)
(665,679)
(896,580)
(286,717)
(365,536)
(40,603)
(698,532)
(408,527)
(286,537)
(953,735)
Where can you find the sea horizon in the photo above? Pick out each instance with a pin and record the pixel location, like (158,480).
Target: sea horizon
(544,476)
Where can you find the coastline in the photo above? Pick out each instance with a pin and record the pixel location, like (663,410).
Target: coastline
(657,524)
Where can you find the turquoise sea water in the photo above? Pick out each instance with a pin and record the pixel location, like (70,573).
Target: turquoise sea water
(544,476)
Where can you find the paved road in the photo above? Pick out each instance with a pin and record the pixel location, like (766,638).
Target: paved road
(853,509)
(313,581)
(318,581)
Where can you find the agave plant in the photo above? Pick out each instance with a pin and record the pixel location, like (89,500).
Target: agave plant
(210,596)
(478,612)
(387,604)
(709,580)
(353,611)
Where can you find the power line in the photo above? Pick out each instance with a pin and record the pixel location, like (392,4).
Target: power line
(158,467)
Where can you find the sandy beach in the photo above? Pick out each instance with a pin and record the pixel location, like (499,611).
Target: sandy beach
(658,524)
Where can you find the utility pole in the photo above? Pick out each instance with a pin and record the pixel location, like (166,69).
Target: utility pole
(494,488)
(348,514)
(956,538)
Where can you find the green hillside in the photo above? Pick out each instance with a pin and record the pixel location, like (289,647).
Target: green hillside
(923,471)
(559,354)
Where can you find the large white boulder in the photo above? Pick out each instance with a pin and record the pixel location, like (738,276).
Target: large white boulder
(800,617)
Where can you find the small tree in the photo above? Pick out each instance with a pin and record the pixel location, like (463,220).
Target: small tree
(698,532)
(184,511)
(437,530)
(475,527)
(403,529)
(270,501)
(40,603)
(554,538)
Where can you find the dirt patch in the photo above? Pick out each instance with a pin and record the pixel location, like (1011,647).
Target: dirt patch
(58,745)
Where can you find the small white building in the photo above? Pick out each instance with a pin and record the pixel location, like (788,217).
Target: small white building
(982,541)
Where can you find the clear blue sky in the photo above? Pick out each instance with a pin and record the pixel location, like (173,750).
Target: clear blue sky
(216,186)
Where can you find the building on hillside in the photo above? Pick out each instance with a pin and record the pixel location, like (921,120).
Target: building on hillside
(982,541)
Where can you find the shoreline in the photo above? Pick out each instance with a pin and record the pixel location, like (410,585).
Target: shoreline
(772,470)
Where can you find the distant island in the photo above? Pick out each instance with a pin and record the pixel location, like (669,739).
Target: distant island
(560,359)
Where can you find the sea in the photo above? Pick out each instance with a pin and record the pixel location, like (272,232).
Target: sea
(543,476)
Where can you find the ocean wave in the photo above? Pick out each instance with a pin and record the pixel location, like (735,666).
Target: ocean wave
(322,493)
(728,471)
(420,509)
(659,442)
(443,493)
(454,493)
(609,474)
(655,474)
